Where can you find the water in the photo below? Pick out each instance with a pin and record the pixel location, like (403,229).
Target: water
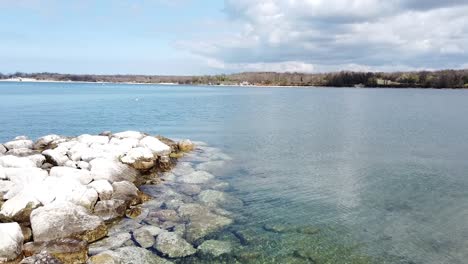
(381,172)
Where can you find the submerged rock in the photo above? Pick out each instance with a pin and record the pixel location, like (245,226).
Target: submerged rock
(186,145)
(66,220)
(217,198)
(197,177)
(138,255)
(173,246)
(109,243)
(41,258)
(215,248)
(11,242)
(202,221)
(144,238)
(65,250)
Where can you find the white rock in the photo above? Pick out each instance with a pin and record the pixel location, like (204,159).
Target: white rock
(103,188)
(83,165)
(77,151)
(38,159)
(112,170)
(61,220)
(129,134)
(22,178)
(86,197)
(3,150)
(127,142)
(83,176)
(88,139)
(5,186)
(59,189)
(16,207)
(155,145)
(20,152)
(139,158)
(68,144)
(58,156)
(16,144)
(2,174)
(10,161)
(11,241)
(91,154)
(70,164)
(45,140)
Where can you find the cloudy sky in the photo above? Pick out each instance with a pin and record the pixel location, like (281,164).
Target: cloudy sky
(215,36)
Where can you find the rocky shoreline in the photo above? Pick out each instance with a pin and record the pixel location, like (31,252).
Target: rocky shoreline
(96,199)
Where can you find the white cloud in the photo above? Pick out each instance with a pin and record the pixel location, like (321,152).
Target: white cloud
(321,35)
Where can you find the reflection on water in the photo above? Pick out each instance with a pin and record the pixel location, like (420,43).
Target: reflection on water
(380,172)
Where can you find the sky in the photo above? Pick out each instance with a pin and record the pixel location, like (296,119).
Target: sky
(194,37)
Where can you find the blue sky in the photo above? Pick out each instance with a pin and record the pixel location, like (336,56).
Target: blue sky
(215,36)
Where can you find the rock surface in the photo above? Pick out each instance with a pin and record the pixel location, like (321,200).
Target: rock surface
(11,242)
(215,248)
(65,250)
(66,220)
(173,246)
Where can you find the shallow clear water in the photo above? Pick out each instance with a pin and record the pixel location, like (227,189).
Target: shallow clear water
(381,172)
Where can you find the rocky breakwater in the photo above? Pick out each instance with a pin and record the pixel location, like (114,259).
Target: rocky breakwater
(59,194)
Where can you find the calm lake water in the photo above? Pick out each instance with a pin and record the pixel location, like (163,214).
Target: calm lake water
(382,172)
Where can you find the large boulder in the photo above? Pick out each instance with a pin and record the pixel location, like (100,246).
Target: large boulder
(126,191)
(83,176)
(139,158)
(112,170)
(3,150)
(37,159)
(76,152)
(66,220)
(11,242)
(57,156)
(10,161)
(23,178)
(18,144)
(103,188)
(201,221)
(129,134)
(89,139)
(173,246)
(21,152)
(19,207)
(45,141)
(5,186)
(65,250)
(155,146)
(110,209)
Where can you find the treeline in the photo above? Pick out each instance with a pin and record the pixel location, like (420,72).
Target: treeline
(422,79)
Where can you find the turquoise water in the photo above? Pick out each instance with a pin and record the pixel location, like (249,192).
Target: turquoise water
(382,173)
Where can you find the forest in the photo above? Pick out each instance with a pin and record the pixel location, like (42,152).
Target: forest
(421,79)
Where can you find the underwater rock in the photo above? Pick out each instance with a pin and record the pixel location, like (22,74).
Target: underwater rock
(173,246)
(144,238)
(217,198)
(138,255)
(41,258)
(109,243)
(197,177)
(65,250)
(189,189)
(215,248)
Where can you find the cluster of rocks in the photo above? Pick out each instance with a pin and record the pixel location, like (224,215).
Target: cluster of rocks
(59,194)
(180,223)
